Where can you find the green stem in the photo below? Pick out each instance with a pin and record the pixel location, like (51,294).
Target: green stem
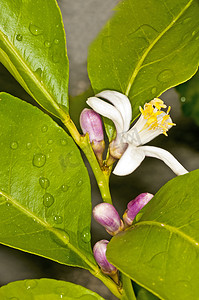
(128,292)
(102,176)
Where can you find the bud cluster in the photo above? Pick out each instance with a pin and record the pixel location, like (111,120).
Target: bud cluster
(107,216)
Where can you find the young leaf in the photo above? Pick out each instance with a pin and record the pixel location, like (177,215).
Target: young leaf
(161,251)
(45,203)
(189,96)
(146,48)
(46,289)
(32,48)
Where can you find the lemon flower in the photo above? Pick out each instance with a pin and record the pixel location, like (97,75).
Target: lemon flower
(128,144)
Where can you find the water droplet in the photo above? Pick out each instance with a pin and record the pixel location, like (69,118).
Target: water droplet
(47,44)
(30,283)
(14,145)
(38,72)
(39,160)
(64,188)
(48,200)
(182,99)
(63,142)
(8,204)
(56,57)
(165,75)
(58,219)
(44,128)
(56,41)
(19,37)
(154,90)
(44,182)
(50,142)
(193,33)
(80,182)
(35,30)
(86,235)
(61,238)
(28,146)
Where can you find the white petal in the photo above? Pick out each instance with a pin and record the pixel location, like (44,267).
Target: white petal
(143,136)
(107,110)
(130,160)
(121,102)
(166,157)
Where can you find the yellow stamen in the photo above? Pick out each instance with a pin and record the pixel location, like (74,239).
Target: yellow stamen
(151,113)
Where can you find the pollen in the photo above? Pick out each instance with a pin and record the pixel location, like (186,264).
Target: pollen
(155,117)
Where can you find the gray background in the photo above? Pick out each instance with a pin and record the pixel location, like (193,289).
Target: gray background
(83,19)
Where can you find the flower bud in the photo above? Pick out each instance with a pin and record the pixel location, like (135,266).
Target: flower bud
(134,206)
(91,122)
(99,252)
(106,215)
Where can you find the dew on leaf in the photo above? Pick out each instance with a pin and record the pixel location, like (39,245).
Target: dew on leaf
(28,146)
(86,235)
(14,145)
(58,219)
(154,90)
(50,142)
(30,283)
(61,238)
(183,99)
(44,182)
(39,160)
(38,72)
(63,142)
(44,128)
(19,37)
(47,44)
(165,75)
(56,41)
(64,188)
(48,200)
(79,183)
(35,30)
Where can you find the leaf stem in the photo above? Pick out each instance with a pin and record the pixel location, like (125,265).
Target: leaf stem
(128,292)
(101,175)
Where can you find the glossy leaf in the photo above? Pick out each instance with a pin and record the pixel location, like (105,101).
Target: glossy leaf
(44,289)
(189,96)
(146,48)
(45,205)
(161,251)
(32,48)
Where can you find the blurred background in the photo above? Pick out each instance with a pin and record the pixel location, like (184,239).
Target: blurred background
(83,20)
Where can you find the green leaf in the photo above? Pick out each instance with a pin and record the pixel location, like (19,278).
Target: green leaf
(46,289)
(189,96)
(45,205)
(161,251)
(32,48)
(146,48)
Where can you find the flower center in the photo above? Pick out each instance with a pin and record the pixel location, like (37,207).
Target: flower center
(156,118)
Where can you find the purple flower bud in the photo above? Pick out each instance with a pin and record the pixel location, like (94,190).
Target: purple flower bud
(91,122)
(99,251)
(106,215)
(134,206)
